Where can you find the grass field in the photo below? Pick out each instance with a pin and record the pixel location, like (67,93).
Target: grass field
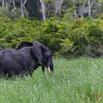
(74,81)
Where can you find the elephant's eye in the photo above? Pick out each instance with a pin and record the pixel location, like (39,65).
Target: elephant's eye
(48,55)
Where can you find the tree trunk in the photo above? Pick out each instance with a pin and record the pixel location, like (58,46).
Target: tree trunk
(58,4)
(14,5)
(89,8)
(43,9)
(2,3)
(23,9)
(90,3)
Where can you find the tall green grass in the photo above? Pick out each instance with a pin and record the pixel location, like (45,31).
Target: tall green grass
(73,81)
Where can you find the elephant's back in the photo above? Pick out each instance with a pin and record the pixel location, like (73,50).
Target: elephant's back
(9,62)
(8,56)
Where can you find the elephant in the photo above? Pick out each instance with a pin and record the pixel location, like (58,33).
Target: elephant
(27,44)
(25,60)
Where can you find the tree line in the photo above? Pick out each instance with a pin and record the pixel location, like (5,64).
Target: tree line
(42,9)
(70,28)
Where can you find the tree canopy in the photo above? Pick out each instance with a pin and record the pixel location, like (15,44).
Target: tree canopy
(42,9)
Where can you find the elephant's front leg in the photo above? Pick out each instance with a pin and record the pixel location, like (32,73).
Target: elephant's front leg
(43,69)
(36,66)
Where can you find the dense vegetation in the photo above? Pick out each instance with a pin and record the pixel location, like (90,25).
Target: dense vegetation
(64,36)
(69,28)
(74,81)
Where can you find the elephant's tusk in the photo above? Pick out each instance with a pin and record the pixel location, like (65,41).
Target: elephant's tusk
(49,69)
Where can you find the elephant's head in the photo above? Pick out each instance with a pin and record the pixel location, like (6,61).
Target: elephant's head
(43,56)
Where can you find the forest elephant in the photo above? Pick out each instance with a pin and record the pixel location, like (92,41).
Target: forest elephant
(25,60)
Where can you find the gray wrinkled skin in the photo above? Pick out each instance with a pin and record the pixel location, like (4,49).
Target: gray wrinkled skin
(25,60)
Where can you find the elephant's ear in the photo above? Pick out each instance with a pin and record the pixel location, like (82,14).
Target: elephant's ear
(38,51)
(24,44)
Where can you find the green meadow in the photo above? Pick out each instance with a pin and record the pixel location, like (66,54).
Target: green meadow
(73,81)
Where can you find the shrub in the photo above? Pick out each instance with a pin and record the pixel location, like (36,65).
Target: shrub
(64,37)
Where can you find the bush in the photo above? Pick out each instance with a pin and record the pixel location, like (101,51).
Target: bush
(64,37)
(52,33)
(12,33)
(83,33)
